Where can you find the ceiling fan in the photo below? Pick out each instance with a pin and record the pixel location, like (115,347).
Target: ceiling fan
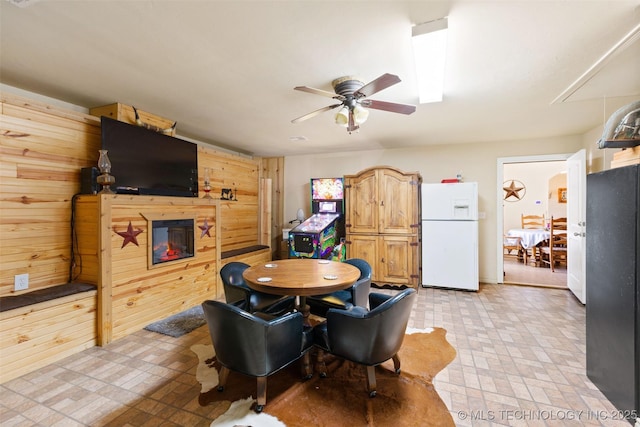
(352,94)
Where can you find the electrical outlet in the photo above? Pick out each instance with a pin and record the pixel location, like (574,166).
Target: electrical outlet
(21,282)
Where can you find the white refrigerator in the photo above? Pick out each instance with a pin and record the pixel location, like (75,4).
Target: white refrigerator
(450,235)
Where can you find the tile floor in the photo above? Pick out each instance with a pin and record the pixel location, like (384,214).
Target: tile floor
(516,272)
(520,362)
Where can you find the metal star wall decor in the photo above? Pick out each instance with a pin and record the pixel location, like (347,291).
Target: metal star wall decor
(205,229)
(514,190)
(130,236)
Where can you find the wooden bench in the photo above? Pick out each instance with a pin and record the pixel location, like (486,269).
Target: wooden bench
(11,302)
(250,255)
(43,326)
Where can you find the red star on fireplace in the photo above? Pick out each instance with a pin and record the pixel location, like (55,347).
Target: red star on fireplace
(205,229)
(130,236)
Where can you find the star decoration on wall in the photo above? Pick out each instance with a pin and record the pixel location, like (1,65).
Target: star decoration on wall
(205,229)
(514,190)
(130,236)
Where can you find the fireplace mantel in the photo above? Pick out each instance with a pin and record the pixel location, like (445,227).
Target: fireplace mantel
(113,249)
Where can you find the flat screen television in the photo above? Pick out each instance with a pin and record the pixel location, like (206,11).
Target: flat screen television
(148,162)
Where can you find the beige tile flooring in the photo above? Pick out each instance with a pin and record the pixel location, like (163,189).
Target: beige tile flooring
(520,362)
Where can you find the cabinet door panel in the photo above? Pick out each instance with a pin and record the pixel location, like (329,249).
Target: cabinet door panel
(361,196)
(397,259)
(365,247)
(398,195)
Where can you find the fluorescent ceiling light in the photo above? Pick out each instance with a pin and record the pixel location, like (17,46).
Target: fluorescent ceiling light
(429,52)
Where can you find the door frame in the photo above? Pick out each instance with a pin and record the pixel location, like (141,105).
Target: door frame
(501,161)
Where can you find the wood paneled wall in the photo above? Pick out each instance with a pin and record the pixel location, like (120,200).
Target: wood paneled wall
(273,169)
(34,336)
(239,218)
(42,151)
(131,293)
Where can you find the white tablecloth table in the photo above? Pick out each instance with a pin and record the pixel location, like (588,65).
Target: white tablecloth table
(530,237)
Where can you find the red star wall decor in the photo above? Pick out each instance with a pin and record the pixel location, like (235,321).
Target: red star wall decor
(130,236)
(205,229)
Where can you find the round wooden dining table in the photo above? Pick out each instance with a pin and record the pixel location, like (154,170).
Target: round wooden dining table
(301,277)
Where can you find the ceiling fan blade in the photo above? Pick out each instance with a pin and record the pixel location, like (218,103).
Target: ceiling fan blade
(375,86)
(315,113)
(388,106)
(318,92)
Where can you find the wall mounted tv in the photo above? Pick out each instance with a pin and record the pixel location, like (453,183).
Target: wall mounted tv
(148,162)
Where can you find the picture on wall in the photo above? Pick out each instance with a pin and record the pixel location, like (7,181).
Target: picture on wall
(562,195)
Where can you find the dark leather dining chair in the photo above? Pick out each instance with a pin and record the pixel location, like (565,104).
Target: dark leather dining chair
(356,295)
(368,337)
(238,293)
(252,346)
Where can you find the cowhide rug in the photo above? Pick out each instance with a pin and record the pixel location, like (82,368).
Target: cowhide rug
(340,399)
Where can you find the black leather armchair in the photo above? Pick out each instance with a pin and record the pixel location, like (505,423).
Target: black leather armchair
(238,293)
(248,344)
(355,295)
(367,337)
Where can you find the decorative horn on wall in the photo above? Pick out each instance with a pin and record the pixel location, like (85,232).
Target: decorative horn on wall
(166,131)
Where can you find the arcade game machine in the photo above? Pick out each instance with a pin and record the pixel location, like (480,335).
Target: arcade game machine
(322,234)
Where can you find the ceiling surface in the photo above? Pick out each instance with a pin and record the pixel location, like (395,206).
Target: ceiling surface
(225,70)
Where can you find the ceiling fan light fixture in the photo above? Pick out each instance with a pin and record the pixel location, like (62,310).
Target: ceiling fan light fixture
(429,42)
(342,117)
(353,103)
(360,114)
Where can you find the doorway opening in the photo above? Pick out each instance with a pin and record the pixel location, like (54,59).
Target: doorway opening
(536,182)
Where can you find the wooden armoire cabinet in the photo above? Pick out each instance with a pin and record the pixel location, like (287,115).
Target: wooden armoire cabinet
(382,223)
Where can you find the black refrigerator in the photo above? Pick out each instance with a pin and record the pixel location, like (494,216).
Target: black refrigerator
(613,292)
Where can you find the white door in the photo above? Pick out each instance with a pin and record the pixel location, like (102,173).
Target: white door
(576,215)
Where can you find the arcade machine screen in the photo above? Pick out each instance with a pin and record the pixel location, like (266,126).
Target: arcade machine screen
(327,195)
(327,189)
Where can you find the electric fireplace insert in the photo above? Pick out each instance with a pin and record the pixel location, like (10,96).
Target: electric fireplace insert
(172,240)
